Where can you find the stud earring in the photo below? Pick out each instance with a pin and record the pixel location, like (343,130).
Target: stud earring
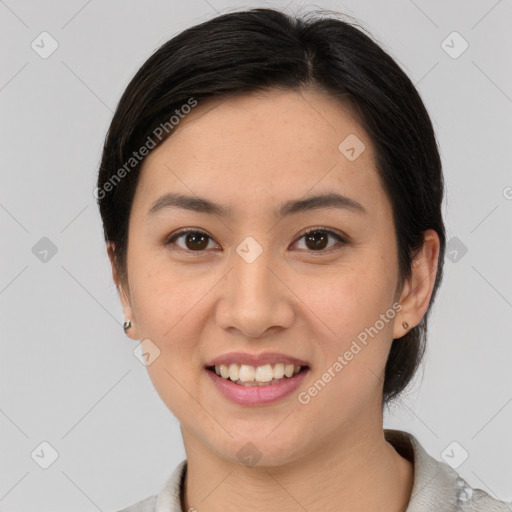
(126,325)
(405,325)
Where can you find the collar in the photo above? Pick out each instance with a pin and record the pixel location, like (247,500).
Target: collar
(436,485)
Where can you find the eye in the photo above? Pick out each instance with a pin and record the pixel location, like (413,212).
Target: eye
(317,238)
(197,240)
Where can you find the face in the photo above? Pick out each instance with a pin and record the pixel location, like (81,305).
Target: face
(301,284)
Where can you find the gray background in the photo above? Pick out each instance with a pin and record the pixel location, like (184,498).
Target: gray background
(68,375)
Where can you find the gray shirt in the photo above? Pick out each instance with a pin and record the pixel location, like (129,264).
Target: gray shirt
(436,488)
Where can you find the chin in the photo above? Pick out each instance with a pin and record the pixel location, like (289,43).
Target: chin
(258,450)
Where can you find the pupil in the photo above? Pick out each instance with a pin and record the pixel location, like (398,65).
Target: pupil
(317,244)
(195,237)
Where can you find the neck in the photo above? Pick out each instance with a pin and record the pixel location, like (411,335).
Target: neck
(360,472)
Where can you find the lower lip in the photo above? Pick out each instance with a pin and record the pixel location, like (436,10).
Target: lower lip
(257,395)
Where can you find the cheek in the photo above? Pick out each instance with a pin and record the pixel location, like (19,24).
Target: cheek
(347,299)
(353,309)
(171,318)
(164,301)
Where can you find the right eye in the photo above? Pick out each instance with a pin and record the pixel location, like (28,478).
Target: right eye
(195,240)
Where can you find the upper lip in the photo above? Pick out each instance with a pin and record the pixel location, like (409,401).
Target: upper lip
(255,359)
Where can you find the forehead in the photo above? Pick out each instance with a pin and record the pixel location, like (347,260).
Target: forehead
(271,145)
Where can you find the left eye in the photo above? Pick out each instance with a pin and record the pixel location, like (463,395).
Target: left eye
(317,238)
(197,241)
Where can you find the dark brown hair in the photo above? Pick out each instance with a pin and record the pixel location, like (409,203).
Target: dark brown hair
(258,49)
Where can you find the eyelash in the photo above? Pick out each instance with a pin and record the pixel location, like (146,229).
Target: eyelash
(316,229)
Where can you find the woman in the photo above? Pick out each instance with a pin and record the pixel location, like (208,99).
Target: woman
(271,192)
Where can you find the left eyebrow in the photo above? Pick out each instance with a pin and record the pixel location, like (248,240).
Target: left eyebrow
(330,200)
(203,205)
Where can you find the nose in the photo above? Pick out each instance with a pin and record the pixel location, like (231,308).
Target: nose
(255,298)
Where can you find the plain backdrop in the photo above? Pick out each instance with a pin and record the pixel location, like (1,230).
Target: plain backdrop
(70,385)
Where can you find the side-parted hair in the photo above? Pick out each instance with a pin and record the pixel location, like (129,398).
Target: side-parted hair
(258,49)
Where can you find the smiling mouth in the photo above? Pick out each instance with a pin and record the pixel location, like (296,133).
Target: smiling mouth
(265,375)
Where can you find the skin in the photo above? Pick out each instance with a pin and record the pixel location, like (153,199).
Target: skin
(251,152)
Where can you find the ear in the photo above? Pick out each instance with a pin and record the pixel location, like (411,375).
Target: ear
(417,290)
(124,294)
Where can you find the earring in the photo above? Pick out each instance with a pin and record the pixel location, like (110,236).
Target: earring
(405,325)
(126,325)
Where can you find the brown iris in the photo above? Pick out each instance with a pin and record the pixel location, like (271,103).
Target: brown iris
(318,240)
(198,241)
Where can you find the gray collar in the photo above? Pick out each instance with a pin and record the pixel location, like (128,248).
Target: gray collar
(437,487)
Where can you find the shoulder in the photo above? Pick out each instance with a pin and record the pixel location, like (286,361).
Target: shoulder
(168,499)
(480,501)
(146,505)
(437,485)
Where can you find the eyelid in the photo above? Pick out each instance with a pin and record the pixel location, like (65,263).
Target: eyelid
(341,237)
(325,229)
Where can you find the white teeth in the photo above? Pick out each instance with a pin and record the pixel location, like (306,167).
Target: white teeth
(234,370)
(246,373)
(288,370)
(264,373)
(259,375)
(224,371)
(279,371)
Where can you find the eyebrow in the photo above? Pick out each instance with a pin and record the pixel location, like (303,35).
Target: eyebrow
(202,205)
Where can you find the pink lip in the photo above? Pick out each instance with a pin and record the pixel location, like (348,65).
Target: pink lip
(256,395)
(255,359)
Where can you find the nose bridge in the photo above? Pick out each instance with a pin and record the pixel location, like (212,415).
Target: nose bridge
(252,279)
(252,276)
(254,298)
